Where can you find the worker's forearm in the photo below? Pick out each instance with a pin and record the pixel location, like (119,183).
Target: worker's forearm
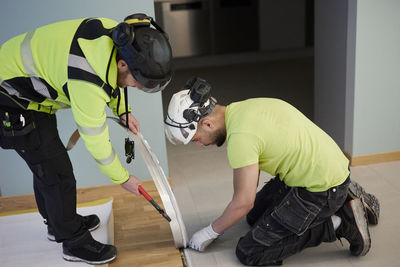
(231,215)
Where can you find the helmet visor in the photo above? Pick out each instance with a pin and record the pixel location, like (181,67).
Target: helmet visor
(151,85)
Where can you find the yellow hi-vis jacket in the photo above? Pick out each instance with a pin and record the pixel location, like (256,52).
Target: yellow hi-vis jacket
(68,64)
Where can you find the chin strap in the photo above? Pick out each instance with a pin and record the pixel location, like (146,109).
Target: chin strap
(126,107)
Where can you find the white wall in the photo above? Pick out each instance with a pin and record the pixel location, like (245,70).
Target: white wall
(350,75)
(377,77)
(357,70)
(20,16)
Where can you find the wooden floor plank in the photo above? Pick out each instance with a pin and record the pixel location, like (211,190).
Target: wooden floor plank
(142,236)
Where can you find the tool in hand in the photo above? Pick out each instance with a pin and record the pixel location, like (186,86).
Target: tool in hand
(152,202)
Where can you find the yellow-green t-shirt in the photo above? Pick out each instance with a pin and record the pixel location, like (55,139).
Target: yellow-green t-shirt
(283,141)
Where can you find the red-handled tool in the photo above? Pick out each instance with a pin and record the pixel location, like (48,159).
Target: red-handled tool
(155,205)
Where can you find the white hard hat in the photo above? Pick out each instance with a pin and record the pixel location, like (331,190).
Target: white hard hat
(186,108)
(177,129)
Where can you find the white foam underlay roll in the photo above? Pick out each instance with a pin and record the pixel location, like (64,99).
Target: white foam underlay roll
(176,224)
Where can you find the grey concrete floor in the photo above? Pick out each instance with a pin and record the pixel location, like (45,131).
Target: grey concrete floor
(202,182)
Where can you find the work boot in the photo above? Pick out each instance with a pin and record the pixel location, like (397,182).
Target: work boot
(91,222)
(84,248)
(370,201)
(354,227)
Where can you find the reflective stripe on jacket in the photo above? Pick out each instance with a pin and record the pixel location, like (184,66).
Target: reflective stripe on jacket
(64,65)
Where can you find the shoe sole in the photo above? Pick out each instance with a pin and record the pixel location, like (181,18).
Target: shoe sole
(362,225)
(53,238)
(94,227)
(76,259)
(372,205)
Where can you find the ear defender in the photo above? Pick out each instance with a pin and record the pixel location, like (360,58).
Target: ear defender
(124,32)
(190,115)
(123,35)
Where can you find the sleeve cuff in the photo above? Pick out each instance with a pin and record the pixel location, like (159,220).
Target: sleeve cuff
(121,181)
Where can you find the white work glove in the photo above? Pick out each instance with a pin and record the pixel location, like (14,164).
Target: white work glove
(201,239)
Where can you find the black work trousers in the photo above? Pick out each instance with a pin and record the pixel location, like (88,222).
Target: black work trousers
(53,179)
(285,220)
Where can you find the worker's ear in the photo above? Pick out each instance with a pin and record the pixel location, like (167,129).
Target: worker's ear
(122,66)
(207,123)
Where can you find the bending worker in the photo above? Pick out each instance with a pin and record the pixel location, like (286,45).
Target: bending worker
(305,204)
(79,64)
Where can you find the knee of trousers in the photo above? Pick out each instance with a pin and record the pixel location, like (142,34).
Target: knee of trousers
(256,258)
(251,252)
(245,256)
(264,243)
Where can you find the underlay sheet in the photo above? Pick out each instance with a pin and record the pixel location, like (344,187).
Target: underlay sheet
(176,223)
(23,237)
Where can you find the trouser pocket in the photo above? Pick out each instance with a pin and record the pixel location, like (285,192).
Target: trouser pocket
(337,196)
(268,232)
(18,131)
(295,213)
(266,199)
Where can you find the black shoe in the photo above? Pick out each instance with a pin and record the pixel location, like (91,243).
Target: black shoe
(370,201)
(91,222)
(354,227)
(84,248)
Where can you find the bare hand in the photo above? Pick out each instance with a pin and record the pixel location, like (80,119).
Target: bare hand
(131,185)
(133,123)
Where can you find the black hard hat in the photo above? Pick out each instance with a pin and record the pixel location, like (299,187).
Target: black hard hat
(146,51)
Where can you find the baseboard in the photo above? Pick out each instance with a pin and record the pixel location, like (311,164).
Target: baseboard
(372,158)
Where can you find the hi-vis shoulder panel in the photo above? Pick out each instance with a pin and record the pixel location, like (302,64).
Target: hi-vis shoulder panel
(78,66)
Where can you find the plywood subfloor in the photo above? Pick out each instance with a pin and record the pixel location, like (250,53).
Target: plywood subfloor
(142,236)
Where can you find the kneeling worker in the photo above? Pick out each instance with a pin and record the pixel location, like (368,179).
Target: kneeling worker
(305,204)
